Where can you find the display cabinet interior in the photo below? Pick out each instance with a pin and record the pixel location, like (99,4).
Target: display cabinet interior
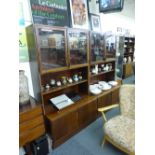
(110,45)
(78,44)
(97,47)
(52,47)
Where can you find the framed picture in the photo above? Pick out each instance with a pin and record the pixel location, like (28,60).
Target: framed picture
(106,6)
(95,22)
(79,14)
(50,12)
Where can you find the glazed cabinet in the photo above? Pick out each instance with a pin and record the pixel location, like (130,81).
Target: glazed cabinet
(97,47)
(52,48)
(110,43)
(78,45)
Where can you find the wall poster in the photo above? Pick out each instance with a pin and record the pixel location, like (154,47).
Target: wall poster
(79,14)
(50,12)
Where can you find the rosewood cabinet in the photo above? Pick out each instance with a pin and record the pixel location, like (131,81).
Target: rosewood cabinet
(60,54)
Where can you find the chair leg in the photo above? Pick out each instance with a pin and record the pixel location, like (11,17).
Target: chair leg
(103,141)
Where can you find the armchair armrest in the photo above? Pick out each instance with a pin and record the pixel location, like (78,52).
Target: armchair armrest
(108,107)
(104,109)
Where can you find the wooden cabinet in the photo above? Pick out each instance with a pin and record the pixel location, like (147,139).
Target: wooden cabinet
(31,122)
(65,123)
(57,56)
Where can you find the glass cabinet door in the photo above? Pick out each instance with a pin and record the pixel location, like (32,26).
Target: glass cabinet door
(110,43)
(52,48)
(77,47)
(97,52)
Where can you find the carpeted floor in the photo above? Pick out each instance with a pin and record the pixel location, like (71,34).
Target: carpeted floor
(87,142)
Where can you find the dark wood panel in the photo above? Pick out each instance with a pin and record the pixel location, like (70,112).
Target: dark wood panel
(28,125)
(65,125)
(87,113)
(30,114)
(115,96)
(104,100)
(31,135)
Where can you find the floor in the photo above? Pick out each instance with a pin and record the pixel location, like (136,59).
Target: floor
(87,141)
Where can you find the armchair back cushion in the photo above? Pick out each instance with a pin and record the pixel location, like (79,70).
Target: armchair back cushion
(127,100)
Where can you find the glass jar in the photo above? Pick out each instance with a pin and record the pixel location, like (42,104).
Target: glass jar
(23,88)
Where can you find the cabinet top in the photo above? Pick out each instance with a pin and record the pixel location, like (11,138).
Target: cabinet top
(29,106)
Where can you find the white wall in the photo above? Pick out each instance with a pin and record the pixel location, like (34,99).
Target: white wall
(110,21)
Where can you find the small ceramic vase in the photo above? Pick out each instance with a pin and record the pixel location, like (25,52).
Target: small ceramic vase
(70,80)
(58,83)
(52,82)
(75,77)
(47,86)
(23,88)
(64,80)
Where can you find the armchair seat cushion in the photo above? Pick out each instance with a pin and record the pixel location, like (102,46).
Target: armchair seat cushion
(121,130)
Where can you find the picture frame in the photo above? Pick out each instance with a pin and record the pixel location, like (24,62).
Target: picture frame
(79,14)
(95,22)
(107,6)
(50,12)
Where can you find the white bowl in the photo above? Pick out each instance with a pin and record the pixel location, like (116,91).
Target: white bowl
(96,91)
(113,83)
(107,87)
(102,82)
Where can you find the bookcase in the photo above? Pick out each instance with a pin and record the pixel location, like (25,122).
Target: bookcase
(61,62)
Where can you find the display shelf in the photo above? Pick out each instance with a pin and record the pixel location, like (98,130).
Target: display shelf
(54,89)
(104,61)
(101,73)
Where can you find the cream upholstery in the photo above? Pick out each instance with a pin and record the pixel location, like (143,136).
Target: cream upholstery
(127,100)
(120,130)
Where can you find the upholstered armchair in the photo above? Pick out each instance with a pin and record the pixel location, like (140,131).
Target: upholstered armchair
(120,130)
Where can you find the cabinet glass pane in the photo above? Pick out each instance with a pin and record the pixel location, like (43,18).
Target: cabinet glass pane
(97,47)
(52,48)
(78,47)
(110,45)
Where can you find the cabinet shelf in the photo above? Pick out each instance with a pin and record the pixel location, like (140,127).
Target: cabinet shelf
(101,73)
(51,90)
(103,61)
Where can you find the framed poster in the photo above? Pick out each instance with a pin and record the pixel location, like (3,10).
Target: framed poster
(79,14)
(95,22)
(50,12)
